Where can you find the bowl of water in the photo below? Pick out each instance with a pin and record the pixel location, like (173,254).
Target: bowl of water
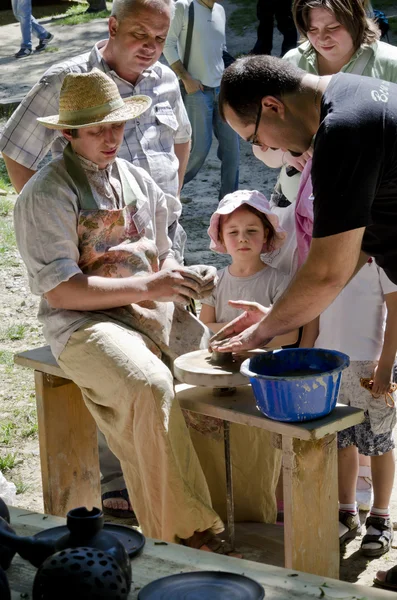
(296,384)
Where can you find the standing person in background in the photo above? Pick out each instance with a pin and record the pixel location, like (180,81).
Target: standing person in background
(22,10)
(158,142)
(267,11)
(201,74)
(95,6)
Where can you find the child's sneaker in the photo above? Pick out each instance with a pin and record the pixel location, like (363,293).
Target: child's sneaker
(349,526)
(44,42)
(23,52)
(379,536)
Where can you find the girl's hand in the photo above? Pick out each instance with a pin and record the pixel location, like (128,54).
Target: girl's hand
(299,162)
(381,380)
(252,315)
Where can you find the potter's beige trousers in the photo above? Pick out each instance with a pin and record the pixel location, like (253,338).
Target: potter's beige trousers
(130,393)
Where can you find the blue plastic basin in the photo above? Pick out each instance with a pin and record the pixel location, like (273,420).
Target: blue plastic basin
(296,384)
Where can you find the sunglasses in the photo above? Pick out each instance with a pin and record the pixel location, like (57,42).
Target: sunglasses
(254,140)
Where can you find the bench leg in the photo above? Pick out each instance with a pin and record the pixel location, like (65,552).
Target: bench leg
(229,484)
(68,446)
(311,532)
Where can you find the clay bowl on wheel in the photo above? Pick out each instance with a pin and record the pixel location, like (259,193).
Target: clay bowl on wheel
(209,369)
(296,384)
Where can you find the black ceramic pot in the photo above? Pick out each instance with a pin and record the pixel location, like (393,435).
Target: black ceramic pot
(85,528)
(80,574)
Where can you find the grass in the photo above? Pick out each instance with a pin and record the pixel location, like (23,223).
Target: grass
(6,358)
(8,461)
(6,206)
(21,488)
(7,431)
(14,332)
(5,183)
(7,237)
(76,14)
(244,16)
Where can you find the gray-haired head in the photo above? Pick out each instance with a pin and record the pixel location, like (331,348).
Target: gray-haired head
(124,8)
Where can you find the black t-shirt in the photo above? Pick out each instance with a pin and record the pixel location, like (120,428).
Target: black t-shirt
(354,170)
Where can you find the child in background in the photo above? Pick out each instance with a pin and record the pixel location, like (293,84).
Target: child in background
(355,324)
(244,227)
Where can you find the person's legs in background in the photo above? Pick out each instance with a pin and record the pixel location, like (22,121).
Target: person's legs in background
(199,107)
(228,151)
(349,520)
(364,483)
(115,499)
(265,10)
(286,25)
(22,10)
(95,6)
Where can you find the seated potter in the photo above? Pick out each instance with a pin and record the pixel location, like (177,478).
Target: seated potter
(92,230)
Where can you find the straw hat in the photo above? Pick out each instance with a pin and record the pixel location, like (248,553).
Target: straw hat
(232,202)
(90,99)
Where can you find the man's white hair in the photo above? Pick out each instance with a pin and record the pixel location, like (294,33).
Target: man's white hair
(123,8)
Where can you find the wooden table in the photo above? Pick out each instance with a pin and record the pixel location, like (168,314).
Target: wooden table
(70,472)
(310,476)
(161,560)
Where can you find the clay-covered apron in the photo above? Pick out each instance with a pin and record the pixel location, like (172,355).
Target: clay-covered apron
(112,243)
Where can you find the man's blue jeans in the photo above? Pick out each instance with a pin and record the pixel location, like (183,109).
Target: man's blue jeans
(22,10)
(202,109)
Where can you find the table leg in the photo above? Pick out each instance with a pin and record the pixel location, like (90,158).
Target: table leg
(68,446)
(311,534)
(229,483)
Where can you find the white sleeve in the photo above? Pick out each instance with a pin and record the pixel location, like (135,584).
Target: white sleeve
(170,50)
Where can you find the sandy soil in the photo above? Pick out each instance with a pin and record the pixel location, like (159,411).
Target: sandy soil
(19,329)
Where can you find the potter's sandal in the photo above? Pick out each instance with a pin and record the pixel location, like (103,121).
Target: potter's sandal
(118,513)
(213,542)
(349,527)
(377,543)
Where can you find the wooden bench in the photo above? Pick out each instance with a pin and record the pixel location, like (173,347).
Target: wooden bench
(70,466)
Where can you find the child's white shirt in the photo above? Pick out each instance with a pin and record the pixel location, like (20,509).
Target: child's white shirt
(264,287)
(355,322)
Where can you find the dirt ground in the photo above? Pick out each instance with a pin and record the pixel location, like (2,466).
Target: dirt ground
(19,329)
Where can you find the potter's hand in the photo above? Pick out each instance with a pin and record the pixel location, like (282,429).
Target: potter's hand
(238,333)
(204,275)
(169,285)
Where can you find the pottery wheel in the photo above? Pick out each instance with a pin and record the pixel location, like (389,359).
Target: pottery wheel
(198,368)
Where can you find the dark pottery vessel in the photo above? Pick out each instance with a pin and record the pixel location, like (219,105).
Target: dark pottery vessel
(84,528)
(80,574)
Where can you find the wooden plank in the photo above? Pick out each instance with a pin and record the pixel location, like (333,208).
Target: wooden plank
(310,488)
(40,359)
(161,560)
(68,447)
(241,408)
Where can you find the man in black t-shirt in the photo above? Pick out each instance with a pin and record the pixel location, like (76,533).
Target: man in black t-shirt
(273,104)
